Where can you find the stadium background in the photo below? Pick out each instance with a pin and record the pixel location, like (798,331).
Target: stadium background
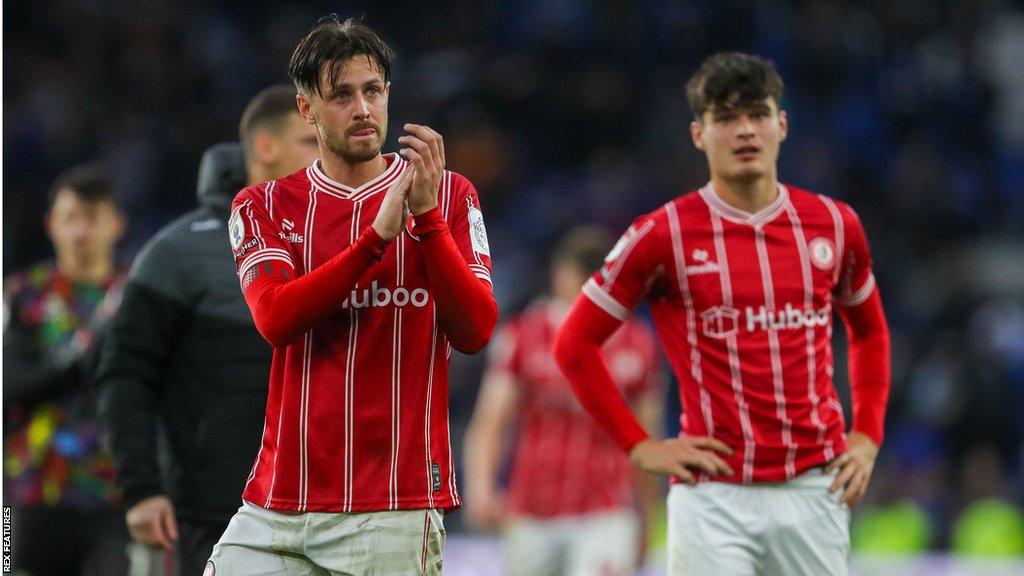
(568,111)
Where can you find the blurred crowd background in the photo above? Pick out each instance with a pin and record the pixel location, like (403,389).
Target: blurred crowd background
(569,111)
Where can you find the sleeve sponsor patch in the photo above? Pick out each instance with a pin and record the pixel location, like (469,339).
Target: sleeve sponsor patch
(236,228)
(477,231)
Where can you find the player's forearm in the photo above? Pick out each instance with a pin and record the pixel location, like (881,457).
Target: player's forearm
(284,308)
(577,350)
(869,359)
(466,308)
(483,445)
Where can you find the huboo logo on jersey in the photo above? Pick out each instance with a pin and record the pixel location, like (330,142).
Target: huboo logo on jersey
(375,296)
(236,228)
(702,264)
(723,321)
(823,254)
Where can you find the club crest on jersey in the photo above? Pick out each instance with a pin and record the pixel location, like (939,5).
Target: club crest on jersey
(701,263)
(236,228)
(823,254)
(477,231)
(720,322)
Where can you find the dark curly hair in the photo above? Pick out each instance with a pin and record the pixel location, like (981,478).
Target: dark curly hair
(730,79)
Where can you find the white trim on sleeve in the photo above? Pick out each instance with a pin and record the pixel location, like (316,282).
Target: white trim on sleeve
(263,256)
(604,300)
(859,296)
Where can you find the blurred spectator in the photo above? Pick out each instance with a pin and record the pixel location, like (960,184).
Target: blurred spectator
(183,350)
(67,517)
(552,523)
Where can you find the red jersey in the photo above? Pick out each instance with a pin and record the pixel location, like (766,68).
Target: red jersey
(559,442)
(357,413)
(742,304)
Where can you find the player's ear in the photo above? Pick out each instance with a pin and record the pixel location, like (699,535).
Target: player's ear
(783,125)
(305,108)
(697,134)
(264,147)
(120,224)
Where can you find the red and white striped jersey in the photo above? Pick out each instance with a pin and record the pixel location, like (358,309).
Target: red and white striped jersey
(357,413)
(742,304)
(559,443)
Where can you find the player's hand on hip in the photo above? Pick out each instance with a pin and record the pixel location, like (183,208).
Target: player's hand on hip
(151,521)
(391,217)
(425,149)
(682,456)
(855,467)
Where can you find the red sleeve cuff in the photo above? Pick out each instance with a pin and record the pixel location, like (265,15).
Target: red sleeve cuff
(372,244)
(429,223)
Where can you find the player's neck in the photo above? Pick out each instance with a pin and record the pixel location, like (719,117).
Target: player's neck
(751,196)
(352,175)
(259,175)
(79,272)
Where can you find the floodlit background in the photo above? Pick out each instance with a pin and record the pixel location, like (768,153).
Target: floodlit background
(568,111)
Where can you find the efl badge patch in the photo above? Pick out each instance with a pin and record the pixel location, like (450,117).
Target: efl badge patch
(236,228)
(823,255)
(477,232)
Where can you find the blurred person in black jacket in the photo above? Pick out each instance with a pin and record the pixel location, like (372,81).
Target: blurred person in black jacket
(184,352)
(57,477)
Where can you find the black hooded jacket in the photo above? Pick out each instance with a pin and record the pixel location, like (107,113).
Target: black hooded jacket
(183,352)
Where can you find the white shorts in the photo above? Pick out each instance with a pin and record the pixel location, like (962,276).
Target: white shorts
(788,529)
(261,542)
(600,543)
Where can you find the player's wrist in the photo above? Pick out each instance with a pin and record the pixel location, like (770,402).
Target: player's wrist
(420,209)
(373,242)
(637,450)
(428,223)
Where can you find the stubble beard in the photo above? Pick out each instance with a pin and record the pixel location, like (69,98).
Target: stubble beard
(352,155)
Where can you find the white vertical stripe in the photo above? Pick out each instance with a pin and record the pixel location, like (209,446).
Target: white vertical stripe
(453,493)
(426,421)
(812,362)
(837,223)
(734,360)
(773,345)
(247,208)
(306,365)
(269,192)
(613,273)
(396,380)
(277,450)
(252,473)
(350,369)
(446,193)
(691,317)
(840,258)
